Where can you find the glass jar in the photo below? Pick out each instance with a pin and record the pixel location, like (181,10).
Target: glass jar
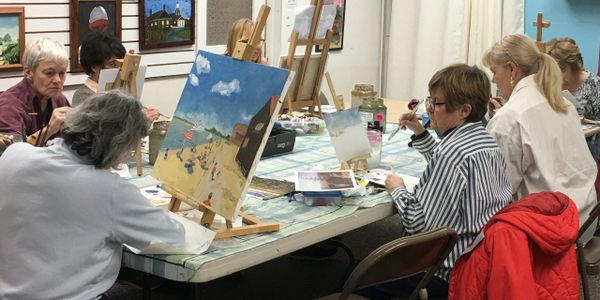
(380,113)
(362,91)
(371,110)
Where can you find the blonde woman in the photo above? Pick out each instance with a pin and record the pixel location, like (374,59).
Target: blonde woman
(537,130)
(241,31)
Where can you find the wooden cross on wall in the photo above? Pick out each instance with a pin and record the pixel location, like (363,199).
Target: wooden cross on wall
(539,24)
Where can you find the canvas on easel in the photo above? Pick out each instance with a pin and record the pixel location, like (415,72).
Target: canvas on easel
(218,131)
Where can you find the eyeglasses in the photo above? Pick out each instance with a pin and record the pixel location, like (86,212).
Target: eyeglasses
(433,102)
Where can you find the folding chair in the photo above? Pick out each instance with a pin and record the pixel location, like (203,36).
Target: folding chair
(401,258)
(588,256)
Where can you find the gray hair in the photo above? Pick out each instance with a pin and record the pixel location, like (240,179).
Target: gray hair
(105,128)
(44,49)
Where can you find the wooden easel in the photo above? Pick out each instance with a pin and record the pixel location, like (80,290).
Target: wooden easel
(242,51)
(293,99)
(126,79)
(539,24)
(338,100)
(356,164)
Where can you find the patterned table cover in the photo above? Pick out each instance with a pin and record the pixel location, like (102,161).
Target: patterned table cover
(310,152)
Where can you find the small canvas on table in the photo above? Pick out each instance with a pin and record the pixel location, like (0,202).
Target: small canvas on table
(348,135)
(219,130)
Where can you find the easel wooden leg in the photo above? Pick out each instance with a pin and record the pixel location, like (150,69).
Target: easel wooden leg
(174,204)
(138,159)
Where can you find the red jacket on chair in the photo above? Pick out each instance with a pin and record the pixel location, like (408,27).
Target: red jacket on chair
(526,252)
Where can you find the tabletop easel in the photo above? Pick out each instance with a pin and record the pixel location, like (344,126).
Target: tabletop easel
(356,164)
(242,51)
(294,100)
(539,24)
(126,79)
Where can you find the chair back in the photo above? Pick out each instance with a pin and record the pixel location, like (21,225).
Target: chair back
(401,258)
(594,214)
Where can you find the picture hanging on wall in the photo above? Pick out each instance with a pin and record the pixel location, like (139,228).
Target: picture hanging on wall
(337,40)
(88,16)
(12,38)
(166,23)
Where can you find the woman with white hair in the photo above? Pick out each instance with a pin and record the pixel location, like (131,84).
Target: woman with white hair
(37,102)
(65,216)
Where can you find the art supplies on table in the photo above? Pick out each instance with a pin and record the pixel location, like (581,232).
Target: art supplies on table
(266,188)
(377,177)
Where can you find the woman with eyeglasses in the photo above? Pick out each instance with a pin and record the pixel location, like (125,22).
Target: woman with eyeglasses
(99,51)
(537,129)
(464,183)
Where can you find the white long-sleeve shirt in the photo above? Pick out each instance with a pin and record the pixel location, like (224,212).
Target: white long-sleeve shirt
(544,150)
(63,223)
(463,186)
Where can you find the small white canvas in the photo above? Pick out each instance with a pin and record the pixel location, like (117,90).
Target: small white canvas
(108,76)
(348,135)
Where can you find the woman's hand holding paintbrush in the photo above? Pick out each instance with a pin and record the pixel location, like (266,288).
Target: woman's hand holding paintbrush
(409,120)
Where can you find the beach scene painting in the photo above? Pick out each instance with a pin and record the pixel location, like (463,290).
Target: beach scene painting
(218,131)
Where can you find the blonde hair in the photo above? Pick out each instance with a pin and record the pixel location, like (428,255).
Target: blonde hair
(566,53)
(522,51)
(240,31)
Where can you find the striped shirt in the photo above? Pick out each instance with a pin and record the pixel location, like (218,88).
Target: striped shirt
(463,186)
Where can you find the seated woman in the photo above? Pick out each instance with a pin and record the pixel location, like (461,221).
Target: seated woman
(241,31)
(67,215)
(37,103)
(537,130)
(464,183)
(584,85)
(100,51)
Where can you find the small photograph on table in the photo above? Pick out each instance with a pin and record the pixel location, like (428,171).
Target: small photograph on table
(317,181)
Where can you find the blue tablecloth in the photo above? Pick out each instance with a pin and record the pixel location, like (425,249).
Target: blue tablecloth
(309,152)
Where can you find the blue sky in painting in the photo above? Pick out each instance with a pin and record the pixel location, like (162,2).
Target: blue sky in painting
(185,6)
(9,24)
(342,119)
(221,91)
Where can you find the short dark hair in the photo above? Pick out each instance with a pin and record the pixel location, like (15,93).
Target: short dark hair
(463,84)
(96,48)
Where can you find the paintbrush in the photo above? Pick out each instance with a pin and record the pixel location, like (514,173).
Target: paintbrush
(23,129)
(413,110)
(168,117)
(42,137)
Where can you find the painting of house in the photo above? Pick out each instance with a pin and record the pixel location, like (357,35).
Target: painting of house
(218,131)
(166,23)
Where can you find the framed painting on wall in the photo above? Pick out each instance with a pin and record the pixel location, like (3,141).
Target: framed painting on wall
(166,23)
(92,15)
(12,37)
(337,40)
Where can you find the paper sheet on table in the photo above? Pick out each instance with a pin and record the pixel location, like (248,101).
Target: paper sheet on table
(108,76)
(378,177)
(303,19)
(197,240)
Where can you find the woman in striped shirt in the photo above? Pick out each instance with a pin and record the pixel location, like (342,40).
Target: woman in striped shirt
(465,182)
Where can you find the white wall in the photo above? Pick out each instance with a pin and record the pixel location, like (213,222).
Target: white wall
(358,62)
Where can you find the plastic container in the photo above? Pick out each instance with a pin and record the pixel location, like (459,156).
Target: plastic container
(375,141)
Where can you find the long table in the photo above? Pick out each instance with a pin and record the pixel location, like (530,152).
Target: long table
(300,225)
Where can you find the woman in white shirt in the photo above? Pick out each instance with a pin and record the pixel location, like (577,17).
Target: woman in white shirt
(537,129)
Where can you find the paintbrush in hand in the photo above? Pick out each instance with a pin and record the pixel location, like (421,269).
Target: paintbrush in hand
(413,110)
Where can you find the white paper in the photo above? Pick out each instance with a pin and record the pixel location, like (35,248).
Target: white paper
(321,181)
(302,20)
(108,76)
(122,170)
(378,176)
(197,240)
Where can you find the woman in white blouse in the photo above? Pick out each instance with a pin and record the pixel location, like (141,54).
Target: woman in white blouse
(537,130)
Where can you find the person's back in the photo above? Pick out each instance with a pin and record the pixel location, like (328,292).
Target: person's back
(555,156)
(66,218)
